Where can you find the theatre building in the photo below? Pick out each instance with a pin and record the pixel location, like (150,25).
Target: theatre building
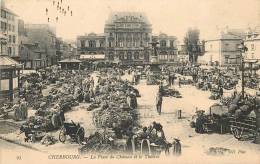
(126,40)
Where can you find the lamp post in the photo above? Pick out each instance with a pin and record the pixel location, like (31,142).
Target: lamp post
(242,49)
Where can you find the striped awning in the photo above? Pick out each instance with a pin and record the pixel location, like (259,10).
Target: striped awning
(92,57)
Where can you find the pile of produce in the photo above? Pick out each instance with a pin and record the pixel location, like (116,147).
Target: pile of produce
(169,92)
(226,101)
(153,80)
(116,103)
(242,107)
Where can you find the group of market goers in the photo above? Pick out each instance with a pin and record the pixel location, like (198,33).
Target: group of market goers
(83,89)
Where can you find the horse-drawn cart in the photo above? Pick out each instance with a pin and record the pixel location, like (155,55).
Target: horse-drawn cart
(243,128)
(75,131)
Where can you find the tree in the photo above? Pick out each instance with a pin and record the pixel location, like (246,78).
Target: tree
(192,44)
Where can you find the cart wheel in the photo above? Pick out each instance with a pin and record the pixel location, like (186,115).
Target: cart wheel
(145,147)
(62,135)
(205,128)
(237,133)
(80,135)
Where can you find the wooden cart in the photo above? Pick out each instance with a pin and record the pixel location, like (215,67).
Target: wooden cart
(243,128)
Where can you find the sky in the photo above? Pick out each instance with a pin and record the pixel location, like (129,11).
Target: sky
(172,17)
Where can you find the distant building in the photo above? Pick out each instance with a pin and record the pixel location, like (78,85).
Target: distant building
(126,40)
(65,50)
(91,44)
(45,37)
(223,49)
(182,54)
(32,55)
(252,42)
(9,28)
(167,48)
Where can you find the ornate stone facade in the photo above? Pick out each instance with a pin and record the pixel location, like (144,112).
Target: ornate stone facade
(126,40)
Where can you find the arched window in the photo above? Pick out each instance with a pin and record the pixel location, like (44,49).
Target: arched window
(136,56)
(92,43)
(110,56)
(172,43)
(129,56)
(82,43)
(121,56)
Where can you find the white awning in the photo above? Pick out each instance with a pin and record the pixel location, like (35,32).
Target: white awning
(92,57)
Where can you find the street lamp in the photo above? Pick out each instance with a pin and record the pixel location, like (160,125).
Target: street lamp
(242,49)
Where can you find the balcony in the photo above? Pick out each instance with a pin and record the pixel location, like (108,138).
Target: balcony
(129,48)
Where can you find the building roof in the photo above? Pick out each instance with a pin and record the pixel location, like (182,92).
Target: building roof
(228,34)
(8,10)
(92,35)
(70,61)
(7,62)
(130,16)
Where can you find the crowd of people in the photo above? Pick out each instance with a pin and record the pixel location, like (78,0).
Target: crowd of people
(50,93)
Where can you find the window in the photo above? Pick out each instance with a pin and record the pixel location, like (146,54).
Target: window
(163,43)
(252,46)
(14,39)
(13,51)
(3,26)
(171,43)
(10,38)
(92,43)
(141,56)
(109,44)
(101,43)
(9,51)
(3,14)
(121,56)
(129,56)
(82,43)
(252,56)
(136,56)
(121,44)
(226,59)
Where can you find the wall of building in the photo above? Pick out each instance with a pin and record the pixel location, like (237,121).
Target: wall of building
(9,27)
(32,57)
(253,49)
(46,38)
(222,51)
(91,44)
(212,52)
(252,42)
